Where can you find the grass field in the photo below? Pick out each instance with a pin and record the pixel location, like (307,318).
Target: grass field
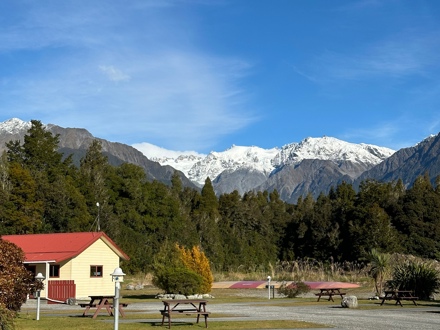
(138,319)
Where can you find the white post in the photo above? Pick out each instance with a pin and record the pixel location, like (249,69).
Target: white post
(40,278)
(268,285)
(116,304)
(117,276)
(38,305)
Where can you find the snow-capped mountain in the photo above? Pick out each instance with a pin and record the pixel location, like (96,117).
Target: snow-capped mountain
(266,161)
(197,168)
(330,148)
(14,126)
(312,166)
(75,142)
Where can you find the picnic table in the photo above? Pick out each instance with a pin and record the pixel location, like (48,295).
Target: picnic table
(398,296)
(100,302)
(330,292)
(186,307)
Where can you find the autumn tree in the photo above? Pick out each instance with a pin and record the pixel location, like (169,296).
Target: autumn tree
(15,282)
(195,260)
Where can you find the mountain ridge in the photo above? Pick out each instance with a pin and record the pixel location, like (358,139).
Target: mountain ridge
(312,166)
(75,142)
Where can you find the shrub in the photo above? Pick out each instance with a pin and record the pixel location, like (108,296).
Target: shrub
(418,276)
(294,289)
(178,280)
(196,260)
(15,281)
(6,318)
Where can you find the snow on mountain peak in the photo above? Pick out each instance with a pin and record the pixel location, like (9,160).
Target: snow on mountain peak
(234,158)
(330,148)
(198,167)
(14,126)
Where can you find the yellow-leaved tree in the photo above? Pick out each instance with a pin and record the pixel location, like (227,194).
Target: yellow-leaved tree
(196,260)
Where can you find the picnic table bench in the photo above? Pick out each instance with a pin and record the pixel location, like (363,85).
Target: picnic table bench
(184,307)
(330,292)
(101,302)
(398,296)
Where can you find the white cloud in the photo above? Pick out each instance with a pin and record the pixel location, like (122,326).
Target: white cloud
(153,151)
(173,93)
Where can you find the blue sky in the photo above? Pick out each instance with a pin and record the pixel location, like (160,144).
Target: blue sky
(203,75)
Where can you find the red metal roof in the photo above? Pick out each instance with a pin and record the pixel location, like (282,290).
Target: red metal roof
(59,246)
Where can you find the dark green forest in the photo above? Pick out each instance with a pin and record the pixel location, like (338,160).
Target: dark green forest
(43,192)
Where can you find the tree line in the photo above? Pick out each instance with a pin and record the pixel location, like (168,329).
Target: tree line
(42,192)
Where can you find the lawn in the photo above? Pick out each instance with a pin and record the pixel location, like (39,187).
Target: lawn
(138,319)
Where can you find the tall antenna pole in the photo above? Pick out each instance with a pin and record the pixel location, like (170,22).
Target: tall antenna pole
(98,225)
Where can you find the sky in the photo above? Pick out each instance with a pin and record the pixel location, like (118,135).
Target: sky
(203,75)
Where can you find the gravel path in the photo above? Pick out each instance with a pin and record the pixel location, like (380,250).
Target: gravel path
(336,317)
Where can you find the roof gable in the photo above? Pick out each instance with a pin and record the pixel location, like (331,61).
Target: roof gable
(59,246)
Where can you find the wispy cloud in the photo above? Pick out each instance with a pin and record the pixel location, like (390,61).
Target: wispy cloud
(409,53)
(393,133)
(133,72)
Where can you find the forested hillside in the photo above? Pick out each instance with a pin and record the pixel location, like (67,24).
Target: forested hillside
(40,192)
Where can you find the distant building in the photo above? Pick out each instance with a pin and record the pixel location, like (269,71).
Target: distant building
(76,265)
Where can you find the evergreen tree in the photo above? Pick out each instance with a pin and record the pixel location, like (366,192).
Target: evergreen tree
(206,215)
(93,171)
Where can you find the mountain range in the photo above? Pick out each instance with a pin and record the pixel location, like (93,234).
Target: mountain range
(313,165)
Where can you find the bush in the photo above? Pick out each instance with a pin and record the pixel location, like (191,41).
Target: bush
(178,280)
(196,260)
(294,289)
(418,276)
(6,318)
(15,281)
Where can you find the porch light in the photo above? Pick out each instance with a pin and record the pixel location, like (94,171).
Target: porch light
(40,278)
(118,275)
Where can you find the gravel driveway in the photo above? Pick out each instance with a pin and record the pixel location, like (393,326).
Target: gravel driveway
(374,318)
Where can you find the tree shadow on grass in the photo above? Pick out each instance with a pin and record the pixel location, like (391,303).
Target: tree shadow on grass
(173,324)
(142,296)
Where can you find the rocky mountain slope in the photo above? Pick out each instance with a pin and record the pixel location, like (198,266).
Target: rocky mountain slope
(76,141)
(408,163)
(313,165)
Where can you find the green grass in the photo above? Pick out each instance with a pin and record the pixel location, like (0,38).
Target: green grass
(24,322)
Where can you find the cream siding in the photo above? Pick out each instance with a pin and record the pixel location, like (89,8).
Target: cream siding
(98,254)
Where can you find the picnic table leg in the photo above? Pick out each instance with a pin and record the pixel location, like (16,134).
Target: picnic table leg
(121,311)
(86,311)
(96,312)
(319,296)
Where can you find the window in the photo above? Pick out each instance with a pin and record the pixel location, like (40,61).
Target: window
(95,271)
(54,271)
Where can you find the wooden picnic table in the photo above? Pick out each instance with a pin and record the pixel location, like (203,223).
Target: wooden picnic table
(398,296)
(186,307)
(100,302)
(330,292)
